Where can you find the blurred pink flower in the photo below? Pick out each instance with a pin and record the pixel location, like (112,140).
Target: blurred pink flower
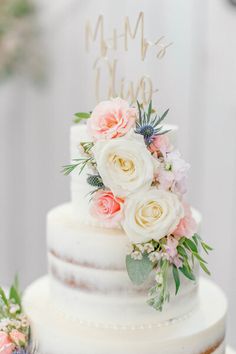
(111,119)
(107,208)
(160,143)
(6,345)
(187,226)
(17,337)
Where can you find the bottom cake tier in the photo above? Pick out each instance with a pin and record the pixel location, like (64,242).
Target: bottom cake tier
(56,332)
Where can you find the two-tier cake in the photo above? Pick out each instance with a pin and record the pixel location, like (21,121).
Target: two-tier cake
(124,255)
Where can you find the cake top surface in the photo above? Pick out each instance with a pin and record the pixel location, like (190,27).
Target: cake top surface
(139,181)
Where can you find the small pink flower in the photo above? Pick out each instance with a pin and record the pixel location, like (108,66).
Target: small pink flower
(6,345)
(17,337)
(172,174)
(107,208)
(111,119)
(160,144)
(172,252)
(187,226)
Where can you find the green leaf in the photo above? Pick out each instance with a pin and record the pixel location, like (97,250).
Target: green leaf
(195,239)
(206,247)
(163,116)
(206,270)
(138,270)
(187,273)
(176,278)
(150,109)
(3,296)
(15,296)
(191,245)
(80,116)
(196,255)
(182,251)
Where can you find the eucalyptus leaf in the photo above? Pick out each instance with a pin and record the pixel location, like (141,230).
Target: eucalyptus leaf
(199,258)
(15,296)
(176,278)
(182,251)
(3,296)
(187,273)
(191,245)
(138,270)
(80,116)
(206,270)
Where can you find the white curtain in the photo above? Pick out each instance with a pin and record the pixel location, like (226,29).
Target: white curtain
(196,79)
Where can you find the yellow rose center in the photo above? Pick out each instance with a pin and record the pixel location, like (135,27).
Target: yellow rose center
(148,214)
(125,165)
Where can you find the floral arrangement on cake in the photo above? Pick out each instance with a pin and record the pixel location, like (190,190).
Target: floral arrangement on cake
(139,182)
(14,325)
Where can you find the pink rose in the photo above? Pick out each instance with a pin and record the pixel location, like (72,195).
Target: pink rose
(17,337)
(160,144)
(107,208)
(111,119)
(187,226)
(6,345)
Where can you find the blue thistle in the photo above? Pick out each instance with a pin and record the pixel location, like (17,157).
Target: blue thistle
(21,351)
(28,350)
(149,125)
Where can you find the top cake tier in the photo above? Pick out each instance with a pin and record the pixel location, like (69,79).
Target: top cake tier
(80,189)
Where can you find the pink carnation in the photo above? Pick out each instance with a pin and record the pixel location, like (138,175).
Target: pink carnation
(160,144)
(107,208)
(6,345)
(17,337)
(187,226)
(111,119)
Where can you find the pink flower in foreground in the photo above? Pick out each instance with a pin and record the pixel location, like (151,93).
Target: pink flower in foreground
(17,337)
(6,345)
(187,226)
(172,252)
(160,143)
(111,119)
(107,208)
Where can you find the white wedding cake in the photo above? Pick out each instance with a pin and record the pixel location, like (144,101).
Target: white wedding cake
(124,254)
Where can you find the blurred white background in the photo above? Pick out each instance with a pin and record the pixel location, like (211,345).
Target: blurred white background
(196,79)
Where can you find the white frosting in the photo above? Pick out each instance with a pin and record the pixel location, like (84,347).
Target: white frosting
(80,189)
(70,239)
(87,266)
(57,332)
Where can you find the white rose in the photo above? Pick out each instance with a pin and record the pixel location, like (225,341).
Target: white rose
(151,215)
(125,164)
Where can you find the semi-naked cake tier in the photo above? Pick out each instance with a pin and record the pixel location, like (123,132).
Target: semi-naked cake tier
(58,332)
(87,269)
(88,305)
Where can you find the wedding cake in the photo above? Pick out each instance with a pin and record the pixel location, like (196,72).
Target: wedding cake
(124,255)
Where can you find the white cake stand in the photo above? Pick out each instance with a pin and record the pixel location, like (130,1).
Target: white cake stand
(230,351)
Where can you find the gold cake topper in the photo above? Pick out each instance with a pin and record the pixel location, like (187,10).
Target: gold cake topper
(106,62)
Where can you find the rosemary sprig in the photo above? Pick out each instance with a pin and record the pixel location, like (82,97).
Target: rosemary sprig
(81,163)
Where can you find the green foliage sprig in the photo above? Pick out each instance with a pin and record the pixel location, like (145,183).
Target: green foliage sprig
(150,257)
(81,163)
(6,302)
(81,116)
